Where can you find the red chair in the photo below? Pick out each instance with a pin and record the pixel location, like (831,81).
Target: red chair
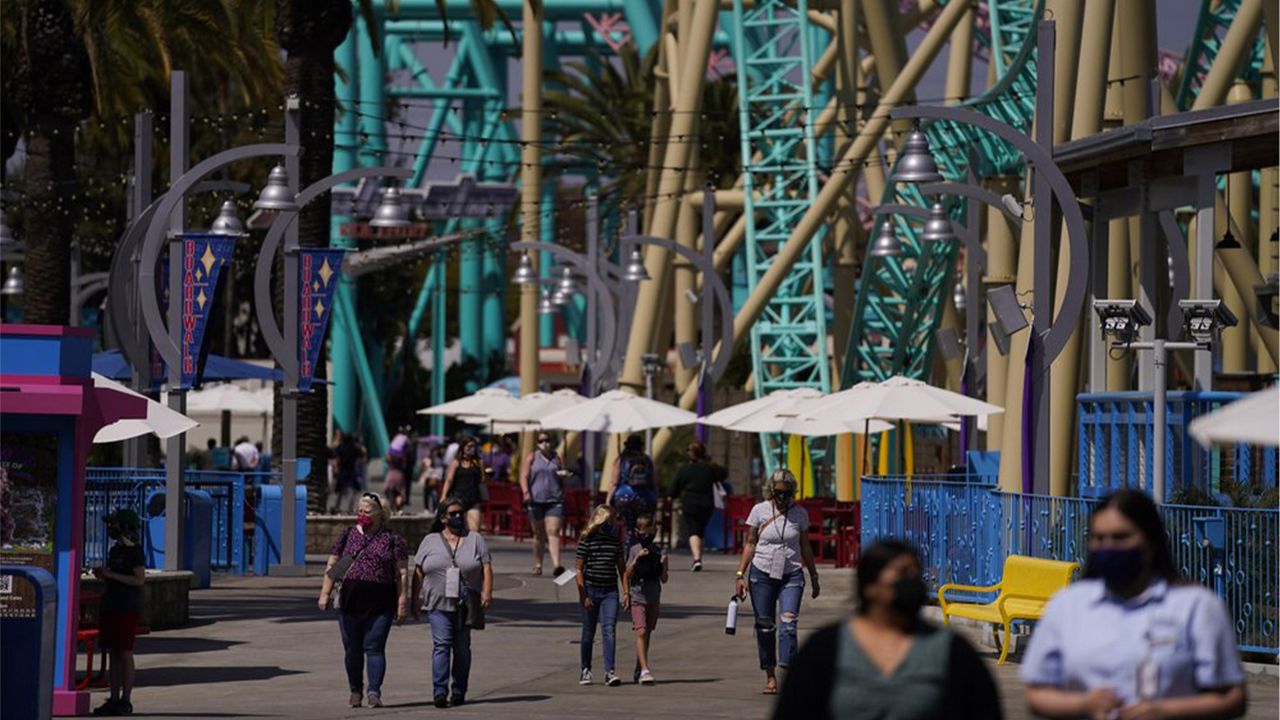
(664,521)
(737,508)
(819,535)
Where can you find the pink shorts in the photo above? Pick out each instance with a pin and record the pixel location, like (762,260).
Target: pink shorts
(644,615)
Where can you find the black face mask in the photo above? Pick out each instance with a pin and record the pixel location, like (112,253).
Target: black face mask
(908,596)
(1120,569)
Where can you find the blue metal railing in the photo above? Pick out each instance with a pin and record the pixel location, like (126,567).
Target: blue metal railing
(965,531)
(1116,432)
(111,489)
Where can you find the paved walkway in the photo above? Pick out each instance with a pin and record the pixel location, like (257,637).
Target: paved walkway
(258,647)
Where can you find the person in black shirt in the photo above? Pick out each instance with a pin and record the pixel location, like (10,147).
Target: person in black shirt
(123,575)
(694,486)
(600,567)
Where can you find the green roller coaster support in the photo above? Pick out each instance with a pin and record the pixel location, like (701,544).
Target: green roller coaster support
(1215,18)
(900,300)
(775,96)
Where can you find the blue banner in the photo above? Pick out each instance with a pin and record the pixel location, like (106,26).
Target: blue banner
(317,280)
(203,255)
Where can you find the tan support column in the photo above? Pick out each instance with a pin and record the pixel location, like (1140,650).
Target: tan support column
(530,196)
(1268,193)
(685,277)
(838,184)
(1235,341)
(847,230)
(661,126)
(889,48)
(1002,261)
(1236,46)
(960,60)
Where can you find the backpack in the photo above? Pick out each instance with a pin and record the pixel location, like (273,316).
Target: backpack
(636,472)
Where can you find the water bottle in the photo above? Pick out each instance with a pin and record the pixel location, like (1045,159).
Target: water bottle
(731,616)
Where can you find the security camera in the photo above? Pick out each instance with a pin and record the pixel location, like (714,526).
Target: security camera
(1202,319)
(1121,319)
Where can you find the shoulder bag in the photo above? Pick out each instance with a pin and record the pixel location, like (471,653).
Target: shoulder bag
(470,609)
(338,573)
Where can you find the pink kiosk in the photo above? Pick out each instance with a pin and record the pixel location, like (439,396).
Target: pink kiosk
(49,414)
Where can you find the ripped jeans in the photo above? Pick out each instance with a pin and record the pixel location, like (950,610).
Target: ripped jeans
(770,597)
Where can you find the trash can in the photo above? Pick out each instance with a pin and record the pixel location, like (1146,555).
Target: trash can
(267,528)
(197,534)
(28,622)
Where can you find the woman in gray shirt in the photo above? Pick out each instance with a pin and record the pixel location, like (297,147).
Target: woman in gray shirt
(452,562)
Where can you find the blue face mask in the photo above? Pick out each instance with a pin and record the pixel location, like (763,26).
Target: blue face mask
(1118,568)
(457,523)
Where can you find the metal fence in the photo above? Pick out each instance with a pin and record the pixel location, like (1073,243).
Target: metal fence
(965,531)
(111,489)
(1116,431)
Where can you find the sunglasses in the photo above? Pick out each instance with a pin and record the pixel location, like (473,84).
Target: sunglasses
(544,440)
(453,513)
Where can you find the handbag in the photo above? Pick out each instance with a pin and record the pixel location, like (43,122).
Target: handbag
(718,494)
(338,573)
(470,609)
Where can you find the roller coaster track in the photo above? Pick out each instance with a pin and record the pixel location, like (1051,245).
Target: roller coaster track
(1215,18)
(900,300)
(774,56)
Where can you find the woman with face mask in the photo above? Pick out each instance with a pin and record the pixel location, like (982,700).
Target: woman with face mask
(451,563)
(373,593)
(542,483)
(1132,640)
(464,480)
(885,662)
(776,548)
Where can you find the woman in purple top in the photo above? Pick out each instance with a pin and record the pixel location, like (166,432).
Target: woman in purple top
(374,592)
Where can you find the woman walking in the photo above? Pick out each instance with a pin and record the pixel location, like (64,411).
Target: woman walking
(542,484)
(369,563)
(453,566)
(694,487)
(886,661)
(600,567)
(1133,640)
(464,482)
(777,545)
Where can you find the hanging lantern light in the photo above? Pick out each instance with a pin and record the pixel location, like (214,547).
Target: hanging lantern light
(958,296)
(13,285)
(392,213)
(276,196)
(915,164)
(886,242)
(635,271)
(7,240)
(546,304)
(524,274)
(568,287)
(228,222)
(938,227)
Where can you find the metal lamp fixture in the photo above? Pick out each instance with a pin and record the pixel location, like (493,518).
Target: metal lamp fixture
(276,196)
(568,287)
(6,235)
(1228,242)
(916,164)
(392,212)
(635,271)
(886,243)
(546,304)
(228,222)
(13,285)
(959,297)
(937,228)
(524,274)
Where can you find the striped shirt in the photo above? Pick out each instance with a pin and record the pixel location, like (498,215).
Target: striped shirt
(600,554)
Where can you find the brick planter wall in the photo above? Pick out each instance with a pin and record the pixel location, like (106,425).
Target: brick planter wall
(165,598)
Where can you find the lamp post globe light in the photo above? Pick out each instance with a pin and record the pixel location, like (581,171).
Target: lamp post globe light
(886,243)
(938,227)
(916,165)
(275,195)
(13,285)
(524,274)
(635,270)
(228,221)
(392,213)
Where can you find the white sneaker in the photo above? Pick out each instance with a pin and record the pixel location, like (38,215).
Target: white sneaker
(646,678)
(611,679)
(585,678)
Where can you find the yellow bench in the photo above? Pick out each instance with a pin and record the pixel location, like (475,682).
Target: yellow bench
(1025,587)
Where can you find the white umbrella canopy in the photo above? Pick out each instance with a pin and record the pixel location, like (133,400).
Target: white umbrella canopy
(483,404)
(786,411)
(898,398)
(226,397)
(776,400)
(160,419)
(1253,419)
(532,408)
(618,412)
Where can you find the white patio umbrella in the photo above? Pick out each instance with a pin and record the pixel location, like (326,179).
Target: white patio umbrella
(483,404)
(618,412)
(529,410)
(898,398)
(727,417)
(226,397)
(1252,419)
(785,411)
(160,420)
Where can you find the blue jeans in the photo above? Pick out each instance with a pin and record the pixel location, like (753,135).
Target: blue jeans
(604,609)
(365,640)
(768,598)
(449,637)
